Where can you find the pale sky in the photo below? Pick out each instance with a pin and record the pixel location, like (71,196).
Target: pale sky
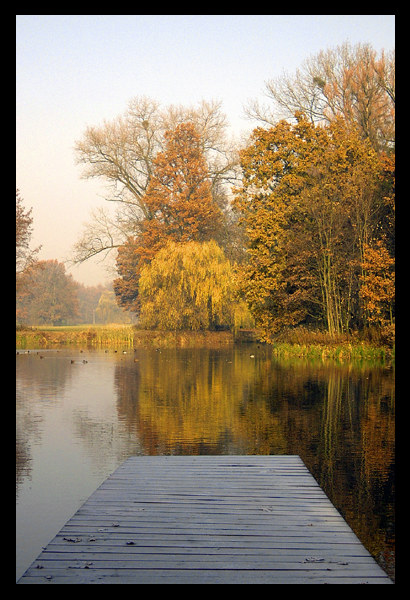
(73,71)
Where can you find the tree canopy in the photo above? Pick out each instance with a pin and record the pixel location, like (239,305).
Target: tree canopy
(188,286)
(180,206)
(353,82)
(48,296)
(311,204)
(121,153)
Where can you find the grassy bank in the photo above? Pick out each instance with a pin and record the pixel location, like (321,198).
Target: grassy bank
(314,347)
(341,353)
(319,345)
(116,336)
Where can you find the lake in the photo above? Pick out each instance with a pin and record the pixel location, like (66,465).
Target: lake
(80,414)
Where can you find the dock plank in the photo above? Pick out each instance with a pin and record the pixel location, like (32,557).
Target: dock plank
(206,519)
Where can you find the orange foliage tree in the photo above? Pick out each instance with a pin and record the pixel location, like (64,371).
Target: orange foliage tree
(377,290)
(311,203)
(180,208)
(48,296)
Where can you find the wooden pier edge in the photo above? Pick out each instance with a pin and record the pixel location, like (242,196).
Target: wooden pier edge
(224,519)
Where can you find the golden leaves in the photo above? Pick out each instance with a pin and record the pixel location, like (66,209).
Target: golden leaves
(188,286)
(310,200)
(378,284)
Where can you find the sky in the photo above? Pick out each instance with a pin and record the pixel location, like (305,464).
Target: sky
(75,71)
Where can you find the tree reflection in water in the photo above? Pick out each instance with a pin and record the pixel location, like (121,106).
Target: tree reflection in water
(338,418)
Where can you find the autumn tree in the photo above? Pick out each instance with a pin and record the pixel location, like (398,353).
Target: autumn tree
(24,229)
(377,290)
(88,297)
(180,191)
(310,203)
(180,205)
(108,311)
(121,153)
(50,296)
(353,82)
(188,286)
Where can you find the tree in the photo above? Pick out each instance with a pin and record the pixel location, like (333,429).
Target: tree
(179,195)
(265,204)
(351,82)
(377,290)
(24,221)
(122,152)
(50,295)
(187,285)
(310,202)
(180,204)
(88,297)
(108,311)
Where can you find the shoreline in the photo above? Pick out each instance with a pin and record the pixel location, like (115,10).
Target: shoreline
(129,336)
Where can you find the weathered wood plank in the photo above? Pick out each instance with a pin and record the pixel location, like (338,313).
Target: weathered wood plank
(309,541)
(221,563)
(133,552)
(227,576)
(207,519)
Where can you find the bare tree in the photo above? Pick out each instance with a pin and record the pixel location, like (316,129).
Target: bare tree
(121,153)
(102,234)
(348,81)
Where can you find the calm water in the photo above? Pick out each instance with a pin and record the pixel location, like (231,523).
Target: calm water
(78,421)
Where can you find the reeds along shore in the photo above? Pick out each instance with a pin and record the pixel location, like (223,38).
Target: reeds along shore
(116,336)
(314,347)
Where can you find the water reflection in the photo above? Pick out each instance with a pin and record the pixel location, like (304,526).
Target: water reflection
(339,419)
(33,383)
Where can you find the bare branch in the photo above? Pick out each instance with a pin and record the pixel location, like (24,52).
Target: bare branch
(346,81)
(103,234)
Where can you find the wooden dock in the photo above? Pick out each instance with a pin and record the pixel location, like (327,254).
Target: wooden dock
(207,519)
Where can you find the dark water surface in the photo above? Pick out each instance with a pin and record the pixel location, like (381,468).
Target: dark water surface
(78,421)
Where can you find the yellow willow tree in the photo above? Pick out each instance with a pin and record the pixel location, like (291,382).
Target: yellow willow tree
(189,286)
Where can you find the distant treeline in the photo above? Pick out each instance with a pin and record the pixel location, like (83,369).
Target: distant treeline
(47,295)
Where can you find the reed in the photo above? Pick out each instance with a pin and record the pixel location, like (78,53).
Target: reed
(117,336)
(80,335)
(301,342)
(340,353)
